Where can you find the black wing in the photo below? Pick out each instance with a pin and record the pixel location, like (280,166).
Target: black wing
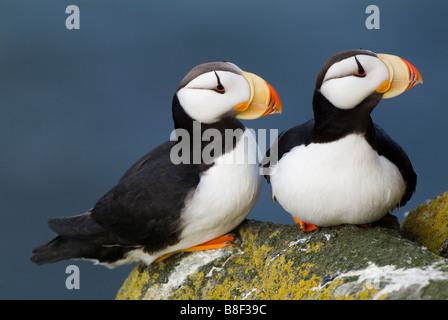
(80,227)
(144,207)
(392,151)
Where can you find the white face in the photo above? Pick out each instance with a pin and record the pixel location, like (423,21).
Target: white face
(348,82)
(211,95)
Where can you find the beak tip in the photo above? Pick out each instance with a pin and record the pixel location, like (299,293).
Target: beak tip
(420,79)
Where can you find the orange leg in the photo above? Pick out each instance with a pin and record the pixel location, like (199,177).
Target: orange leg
(219,242)
(305,226)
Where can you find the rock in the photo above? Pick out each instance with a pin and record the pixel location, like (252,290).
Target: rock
(428,225)
(273,261)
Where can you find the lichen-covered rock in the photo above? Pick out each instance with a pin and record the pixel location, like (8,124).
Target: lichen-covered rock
(272,261)
(428,225)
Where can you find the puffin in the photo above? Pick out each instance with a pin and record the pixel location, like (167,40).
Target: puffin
(171,200)
(340,167)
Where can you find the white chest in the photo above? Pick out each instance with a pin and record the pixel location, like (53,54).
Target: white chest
(345,181)
(225,195)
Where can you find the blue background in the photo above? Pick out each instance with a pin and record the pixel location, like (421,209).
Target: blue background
(78,107)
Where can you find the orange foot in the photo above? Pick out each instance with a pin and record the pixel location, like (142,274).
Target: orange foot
(219,242)
(366,225)
(305,226)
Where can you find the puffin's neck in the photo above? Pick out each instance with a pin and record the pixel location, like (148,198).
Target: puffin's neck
(332,123)
(196,129)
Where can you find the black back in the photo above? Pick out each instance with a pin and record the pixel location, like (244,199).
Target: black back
(144,207)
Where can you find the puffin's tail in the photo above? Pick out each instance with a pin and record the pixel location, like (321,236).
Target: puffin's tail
(62,248)
(56,250)
(79,238)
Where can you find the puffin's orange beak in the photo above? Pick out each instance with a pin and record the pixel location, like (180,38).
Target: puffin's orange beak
(263,99)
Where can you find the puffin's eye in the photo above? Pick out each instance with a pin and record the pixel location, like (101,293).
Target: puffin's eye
(361,73)
(219,87)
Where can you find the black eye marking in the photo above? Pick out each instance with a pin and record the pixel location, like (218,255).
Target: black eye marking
(219,87)
(361,73)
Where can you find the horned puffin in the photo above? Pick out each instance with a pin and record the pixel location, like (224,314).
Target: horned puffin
(340,167)
(160,207)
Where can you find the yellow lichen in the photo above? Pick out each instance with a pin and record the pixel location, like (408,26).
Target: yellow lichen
(427,224)
(314,247)
(132,287)
(257,268)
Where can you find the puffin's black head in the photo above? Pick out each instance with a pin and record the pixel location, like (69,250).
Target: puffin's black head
(350,77)
(216,90)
